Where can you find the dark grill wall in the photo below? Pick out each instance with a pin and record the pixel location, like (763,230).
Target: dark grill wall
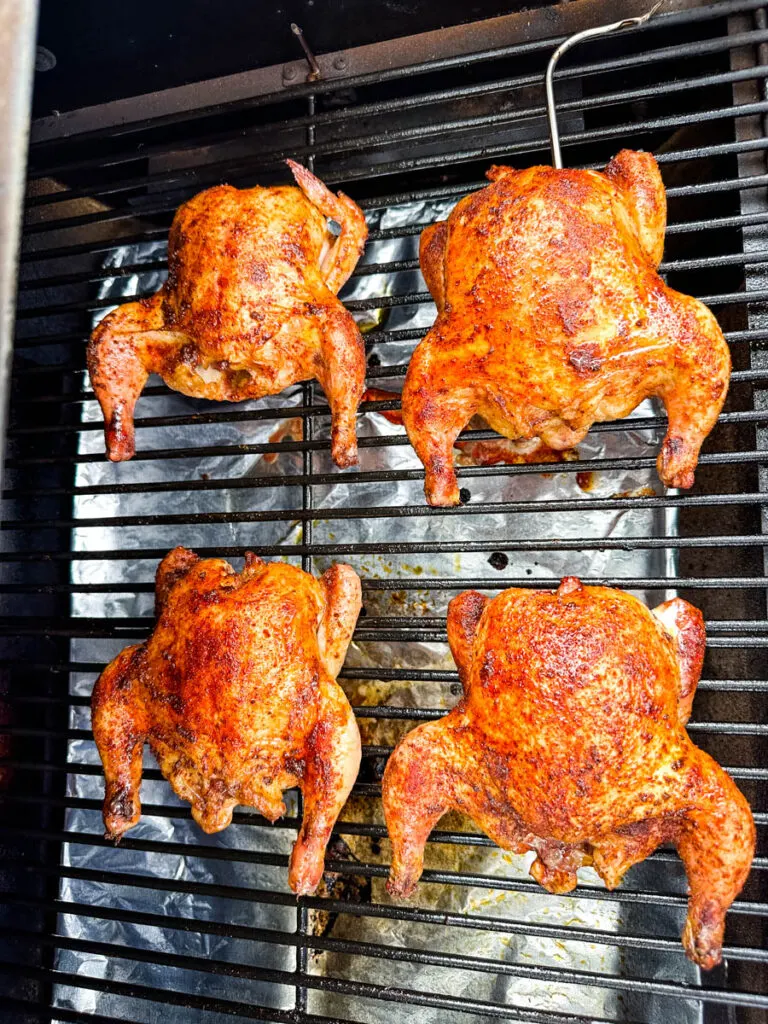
(105,52)
(691,88)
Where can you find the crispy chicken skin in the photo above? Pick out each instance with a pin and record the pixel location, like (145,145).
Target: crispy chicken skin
(552,316)
(249,308)
(236,694)
(570,740)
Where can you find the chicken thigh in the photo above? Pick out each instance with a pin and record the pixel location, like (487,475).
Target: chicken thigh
(249,308)
(236,694)
(552,316)
(570,741)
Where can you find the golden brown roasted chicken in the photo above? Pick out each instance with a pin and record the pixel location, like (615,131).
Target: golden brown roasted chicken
(552,316)
(236,694)
(249,308)
(570,740)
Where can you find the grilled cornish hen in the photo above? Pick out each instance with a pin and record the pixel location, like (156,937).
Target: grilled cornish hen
(552,316)
(570,740)
(249,308)
(236,694)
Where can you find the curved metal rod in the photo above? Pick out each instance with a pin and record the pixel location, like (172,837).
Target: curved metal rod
(590,33)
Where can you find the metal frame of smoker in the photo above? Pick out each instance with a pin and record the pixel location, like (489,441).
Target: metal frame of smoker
(722,536)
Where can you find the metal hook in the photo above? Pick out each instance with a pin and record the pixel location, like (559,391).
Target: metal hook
(590,33)
(314,67)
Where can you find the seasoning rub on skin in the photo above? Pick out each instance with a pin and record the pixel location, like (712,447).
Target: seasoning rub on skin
(236,694)
(570,741)
(248,309)
(552,316)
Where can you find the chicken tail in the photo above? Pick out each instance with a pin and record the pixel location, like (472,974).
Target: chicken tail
(332,765)
(464,613)
(685,624)
(695,392)
(394,416)
(436,408)
(341,373)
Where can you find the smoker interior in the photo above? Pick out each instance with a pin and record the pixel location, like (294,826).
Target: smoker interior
(405,143)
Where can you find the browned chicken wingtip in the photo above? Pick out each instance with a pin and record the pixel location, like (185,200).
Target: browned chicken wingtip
(552,316)
(235,692)
(250,307)
(570,741)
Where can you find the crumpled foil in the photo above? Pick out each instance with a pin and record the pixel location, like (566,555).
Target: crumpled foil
(515,948)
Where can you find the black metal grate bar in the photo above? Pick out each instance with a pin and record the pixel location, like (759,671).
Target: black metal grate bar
(670,20)
(426,675)
(442,877)
(413,512)
(268,157)
(454,961)
(510,149)
(367,269)
(577,466)
(269,935)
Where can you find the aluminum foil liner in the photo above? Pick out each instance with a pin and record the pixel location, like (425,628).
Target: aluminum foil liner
(394,585)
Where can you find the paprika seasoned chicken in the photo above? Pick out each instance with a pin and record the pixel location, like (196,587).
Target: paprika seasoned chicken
(236,694)
(570,741)
(552,316)
(249,308)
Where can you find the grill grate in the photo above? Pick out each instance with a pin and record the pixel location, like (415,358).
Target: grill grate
(103,934)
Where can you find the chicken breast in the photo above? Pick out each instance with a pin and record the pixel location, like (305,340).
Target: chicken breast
(249,308)
(570,740)
(552,316)
(236,694)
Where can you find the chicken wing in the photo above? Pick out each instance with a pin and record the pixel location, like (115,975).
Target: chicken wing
(236,694)
(249,308)
(570,740)
(552,316)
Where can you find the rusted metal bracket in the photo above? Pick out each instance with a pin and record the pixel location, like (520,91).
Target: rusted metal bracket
(289,71)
